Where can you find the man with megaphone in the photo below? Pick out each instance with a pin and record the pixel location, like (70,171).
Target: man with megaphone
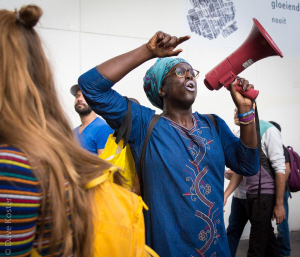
(183,168)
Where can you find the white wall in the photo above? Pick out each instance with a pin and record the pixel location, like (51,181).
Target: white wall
(79,34)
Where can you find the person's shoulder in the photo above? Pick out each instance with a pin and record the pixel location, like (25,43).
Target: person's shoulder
(14,160)
(99,122)
(76,129)
(202,114)
(17,176)
(267,128)
(265,125)
(206,116)
(101,126)
(142,109)
(13,153)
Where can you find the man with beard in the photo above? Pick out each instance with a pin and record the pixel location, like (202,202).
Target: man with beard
(93,131)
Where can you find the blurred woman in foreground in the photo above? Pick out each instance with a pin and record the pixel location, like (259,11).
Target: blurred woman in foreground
(43,170)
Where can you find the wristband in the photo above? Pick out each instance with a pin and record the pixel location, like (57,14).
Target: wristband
(245,114)
(246,123)
(247,119)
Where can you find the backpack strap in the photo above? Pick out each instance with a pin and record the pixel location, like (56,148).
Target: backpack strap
(260,154)
(141,206)
(107,175)
(150,252)
(213,120)
(125,128)
(153,122)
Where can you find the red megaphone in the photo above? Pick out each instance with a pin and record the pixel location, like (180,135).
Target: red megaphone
(257,46)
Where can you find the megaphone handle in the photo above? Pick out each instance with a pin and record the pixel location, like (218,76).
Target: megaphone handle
(251,94)
(229,78)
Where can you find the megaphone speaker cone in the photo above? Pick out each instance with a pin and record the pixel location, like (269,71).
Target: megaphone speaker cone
(258,45)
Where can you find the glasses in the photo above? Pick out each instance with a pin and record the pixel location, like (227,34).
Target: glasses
(181,72)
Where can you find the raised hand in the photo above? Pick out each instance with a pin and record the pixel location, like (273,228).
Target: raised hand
(163,45)
(160,45)
(248,132)
(239,100)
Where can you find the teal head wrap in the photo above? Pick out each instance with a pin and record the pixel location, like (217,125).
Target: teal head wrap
(155,76)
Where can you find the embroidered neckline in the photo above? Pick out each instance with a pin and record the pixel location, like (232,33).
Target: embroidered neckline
(182,127)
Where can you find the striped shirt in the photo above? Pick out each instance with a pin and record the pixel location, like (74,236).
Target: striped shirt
(20,206)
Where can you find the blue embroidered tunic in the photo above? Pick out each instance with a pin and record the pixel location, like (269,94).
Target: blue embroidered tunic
(183,172)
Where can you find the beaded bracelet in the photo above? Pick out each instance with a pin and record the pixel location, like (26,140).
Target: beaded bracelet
(247,119)
(246,123)
(245,114)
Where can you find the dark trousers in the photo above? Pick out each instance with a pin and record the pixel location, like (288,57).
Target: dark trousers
(237,221)
(262,241)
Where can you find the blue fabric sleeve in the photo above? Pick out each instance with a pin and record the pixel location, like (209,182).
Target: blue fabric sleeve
(101,98)
(102,135)
(112,106)
(238,157)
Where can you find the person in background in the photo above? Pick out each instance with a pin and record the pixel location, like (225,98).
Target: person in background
(238,214)
(43,170)
(283,237)
(93,131)
(262,241)
(183,171)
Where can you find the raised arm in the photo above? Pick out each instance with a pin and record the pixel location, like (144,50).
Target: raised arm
(244,105)
(96,84)
(160,45)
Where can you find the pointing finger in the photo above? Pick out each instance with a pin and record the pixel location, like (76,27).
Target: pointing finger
(183,39)
(175,53)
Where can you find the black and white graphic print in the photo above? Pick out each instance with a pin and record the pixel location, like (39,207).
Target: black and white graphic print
(210,18)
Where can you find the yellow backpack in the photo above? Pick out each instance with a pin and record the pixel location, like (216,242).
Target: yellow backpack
(117,150)
(118,220)
(118,155)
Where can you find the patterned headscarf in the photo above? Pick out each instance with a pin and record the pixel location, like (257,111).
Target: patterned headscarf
(155,76)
